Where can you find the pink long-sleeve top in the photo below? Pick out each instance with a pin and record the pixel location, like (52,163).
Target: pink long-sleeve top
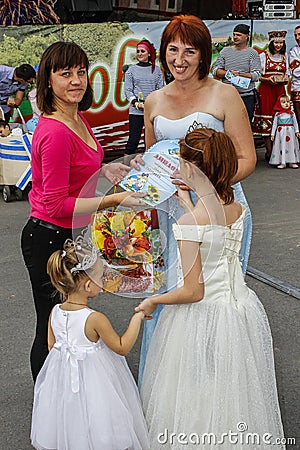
(64,168)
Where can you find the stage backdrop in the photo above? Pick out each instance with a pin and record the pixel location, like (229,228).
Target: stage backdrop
(110,46)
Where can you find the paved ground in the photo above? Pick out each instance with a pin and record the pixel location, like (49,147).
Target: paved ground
(274,197)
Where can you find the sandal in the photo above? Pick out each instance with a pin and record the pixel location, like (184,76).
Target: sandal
(281,166)
(293,166)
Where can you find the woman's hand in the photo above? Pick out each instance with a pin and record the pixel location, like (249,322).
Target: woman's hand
(137,161)
(115,172)
(147,307)
(130,199)
(185,199)
(176,177)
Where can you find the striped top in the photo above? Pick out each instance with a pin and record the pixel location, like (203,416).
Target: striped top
(139,78)
(244,61)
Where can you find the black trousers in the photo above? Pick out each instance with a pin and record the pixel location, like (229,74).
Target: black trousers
(38,243)
(249,101)
(7,116)
(136,123)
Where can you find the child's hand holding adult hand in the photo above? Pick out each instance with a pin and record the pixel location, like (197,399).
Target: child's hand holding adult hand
(147,307)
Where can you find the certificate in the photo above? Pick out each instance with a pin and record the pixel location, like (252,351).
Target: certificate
(237,81)
(161,161)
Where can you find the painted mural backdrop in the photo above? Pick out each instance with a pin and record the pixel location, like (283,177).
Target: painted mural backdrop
(109,47)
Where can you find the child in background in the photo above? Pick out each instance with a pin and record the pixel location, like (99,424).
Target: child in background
(284,134)
(7,129)
(85,397)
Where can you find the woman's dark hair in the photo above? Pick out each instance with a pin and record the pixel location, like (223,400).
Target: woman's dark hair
(26,72)
(272,50)
(60,55)
(214,154)
(192,31)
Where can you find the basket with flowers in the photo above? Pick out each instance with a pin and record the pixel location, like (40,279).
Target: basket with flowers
(132,250)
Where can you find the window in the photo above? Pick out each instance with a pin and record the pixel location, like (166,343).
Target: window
(171,4)
(155,4)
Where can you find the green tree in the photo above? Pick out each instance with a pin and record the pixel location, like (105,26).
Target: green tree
(97,39)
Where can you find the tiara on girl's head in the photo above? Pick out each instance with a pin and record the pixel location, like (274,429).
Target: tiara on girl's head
(192,148)
(193,128)
(86,253)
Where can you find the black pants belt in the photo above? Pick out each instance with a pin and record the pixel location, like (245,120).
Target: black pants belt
(45,224)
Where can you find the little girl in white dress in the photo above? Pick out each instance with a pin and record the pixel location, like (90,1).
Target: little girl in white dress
(209,379)
(284,134)
(85,397)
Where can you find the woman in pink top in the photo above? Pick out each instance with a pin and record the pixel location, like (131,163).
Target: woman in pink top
(66,161)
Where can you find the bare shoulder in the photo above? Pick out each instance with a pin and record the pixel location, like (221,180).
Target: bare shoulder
(96,316)
(199,216)
(226,91)
(154,96)
(155,102)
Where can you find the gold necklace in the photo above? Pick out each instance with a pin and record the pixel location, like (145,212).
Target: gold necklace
(80,304)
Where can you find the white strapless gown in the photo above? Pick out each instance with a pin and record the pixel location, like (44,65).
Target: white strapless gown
(170,211)
(210,366)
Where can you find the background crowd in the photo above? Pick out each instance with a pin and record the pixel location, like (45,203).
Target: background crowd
(63,198)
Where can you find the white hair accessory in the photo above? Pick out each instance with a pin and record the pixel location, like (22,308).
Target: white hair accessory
(86,253)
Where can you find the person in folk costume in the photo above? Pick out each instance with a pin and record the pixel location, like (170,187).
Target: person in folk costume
(275,74)
(284,133)
(139,80)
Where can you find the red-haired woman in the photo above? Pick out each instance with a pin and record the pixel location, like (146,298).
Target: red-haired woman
(191,100)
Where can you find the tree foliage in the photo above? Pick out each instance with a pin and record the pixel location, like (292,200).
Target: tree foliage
(16,51)
(97,39)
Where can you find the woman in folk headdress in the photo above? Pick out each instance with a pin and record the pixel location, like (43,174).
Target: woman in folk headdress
(274,63)
(140,79)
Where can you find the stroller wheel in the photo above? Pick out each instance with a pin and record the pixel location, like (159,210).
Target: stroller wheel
(6,194)
(18,194)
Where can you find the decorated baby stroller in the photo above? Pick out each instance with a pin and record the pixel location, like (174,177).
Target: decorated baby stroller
(15,166)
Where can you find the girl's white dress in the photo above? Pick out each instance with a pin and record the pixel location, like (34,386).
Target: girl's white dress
(285,147)
(210,367)
(85,397)
(170,211)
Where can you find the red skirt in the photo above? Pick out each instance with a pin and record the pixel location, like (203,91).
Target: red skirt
(263,115)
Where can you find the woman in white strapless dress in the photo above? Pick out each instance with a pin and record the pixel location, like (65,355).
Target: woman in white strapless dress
(193,100)
(209,380)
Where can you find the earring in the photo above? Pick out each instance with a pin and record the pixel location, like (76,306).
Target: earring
(49,86)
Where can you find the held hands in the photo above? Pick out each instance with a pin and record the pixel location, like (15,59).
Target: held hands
(298,135)
(272,138)
(147,307)
(141,315)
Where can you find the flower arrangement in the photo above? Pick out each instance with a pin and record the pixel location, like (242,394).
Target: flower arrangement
(131,249)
